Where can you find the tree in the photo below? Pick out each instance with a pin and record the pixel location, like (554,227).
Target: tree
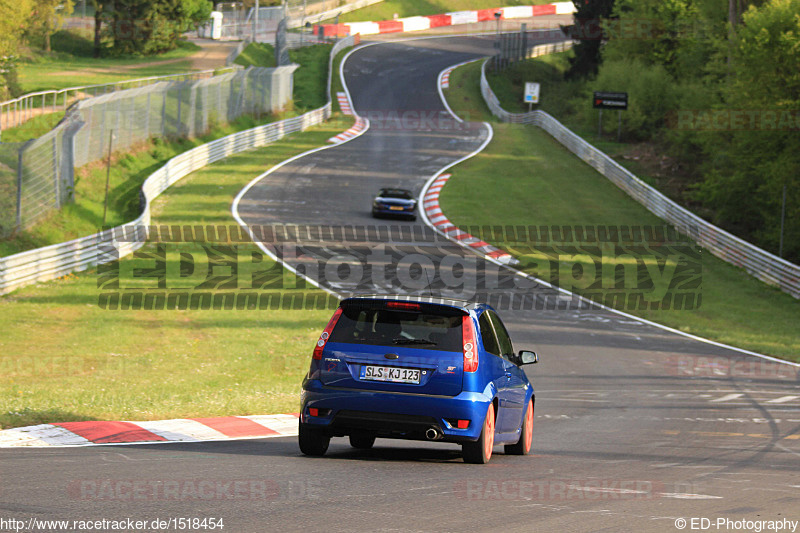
(13,18)
(46,17)
(760,155)
(100,8)
(196,12)
(147,27)
(587,29)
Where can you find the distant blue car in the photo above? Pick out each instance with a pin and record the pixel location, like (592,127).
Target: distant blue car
(395,203)
(419,369)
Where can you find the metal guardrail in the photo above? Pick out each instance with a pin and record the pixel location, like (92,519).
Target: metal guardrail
(757,262)
(53,261)
(23,108)
(491,98)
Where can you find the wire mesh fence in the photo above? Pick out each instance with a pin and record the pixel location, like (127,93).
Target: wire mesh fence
(19,110)
(38,177)
(52,261)
(9,162)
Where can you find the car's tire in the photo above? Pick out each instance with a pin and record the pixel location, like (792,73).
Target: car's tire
(523,446)
(480,451)
(362,441)
(313,441)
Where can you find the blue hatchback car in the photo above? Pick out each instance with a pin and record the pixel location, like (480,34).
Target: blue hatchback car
(420,369)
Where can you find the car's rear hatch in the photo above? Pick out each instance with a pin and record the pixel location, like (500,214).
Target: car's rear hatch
(396,203)
(395,347)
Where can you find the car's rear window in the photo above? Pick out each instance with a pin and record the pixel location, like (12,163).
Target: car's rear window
(385,327)
(396,193)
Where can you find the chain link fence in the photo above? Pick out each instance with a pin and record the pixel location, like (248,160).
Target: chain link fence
(9,163)
(38,177)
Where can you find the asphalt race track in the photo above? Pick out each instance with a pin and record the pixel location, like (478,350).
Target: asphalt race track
(635,427)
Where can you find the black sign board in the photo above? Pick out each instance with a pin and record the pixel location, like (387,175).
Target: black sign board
(602,100)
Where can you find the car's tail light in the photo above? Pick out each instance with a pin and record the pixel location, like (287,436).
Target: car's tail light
(470,348)
(326,334)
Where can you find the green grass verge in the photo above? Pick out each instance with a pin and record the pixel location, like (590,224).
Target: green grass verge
(89,363)
(310,80)
(562,99)
(408,8)
(33,128)
(72,64)
(535,181)
(257,55)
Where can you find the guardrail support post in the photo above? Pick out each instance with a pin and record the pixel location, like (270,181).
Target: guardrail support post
(56,177)
(179,128)
(19,186)
(147,118)
(164,115)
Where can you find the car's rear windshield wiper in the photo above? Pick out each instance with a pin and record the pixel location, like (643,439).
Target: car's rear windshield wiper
(402,340)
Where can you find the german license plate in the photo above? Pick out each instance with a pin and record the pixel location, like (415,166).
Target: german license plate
(396,207)
(390,373)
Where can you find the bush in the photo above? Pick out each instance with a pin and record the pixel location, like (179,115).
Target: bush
(652,95)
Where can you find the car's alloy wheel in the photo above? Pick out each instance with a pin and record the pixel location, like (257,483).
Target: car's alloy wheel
(480,451)
(523,446)
(313,441)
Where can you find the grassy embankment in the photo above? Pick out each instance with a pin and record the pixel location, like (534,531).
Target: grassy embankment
(130,168)
(535,181)
(88,363)
(71,64)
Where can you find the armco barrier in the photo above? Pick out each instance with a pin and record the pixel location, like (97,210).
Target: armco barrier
(494,104)
(53,261)
(765,266)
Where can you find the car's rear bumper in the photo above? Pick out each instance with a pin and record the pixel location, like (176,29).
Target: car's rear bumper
(393,415)
(385,211)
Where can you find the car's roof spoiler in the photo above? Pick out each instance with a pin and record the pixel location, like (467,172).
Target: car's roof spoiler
(404,302)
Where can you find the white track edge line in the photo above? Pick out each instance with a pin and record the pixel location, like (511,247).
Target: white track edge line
(441,93)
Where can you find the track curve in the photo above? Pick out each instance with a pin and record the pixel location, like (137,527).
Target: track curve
(635,426)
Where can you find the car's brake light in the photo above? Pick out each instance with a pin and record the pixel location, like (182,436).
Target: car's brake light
(470,349)
(405,306)
(326,333)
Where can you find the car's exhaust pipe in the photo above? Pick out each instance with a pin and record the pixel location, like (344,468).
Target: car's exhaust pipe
(433,433)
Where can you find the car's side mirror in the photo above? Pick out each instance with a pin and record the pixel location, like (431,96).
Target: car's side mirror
(528,357)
